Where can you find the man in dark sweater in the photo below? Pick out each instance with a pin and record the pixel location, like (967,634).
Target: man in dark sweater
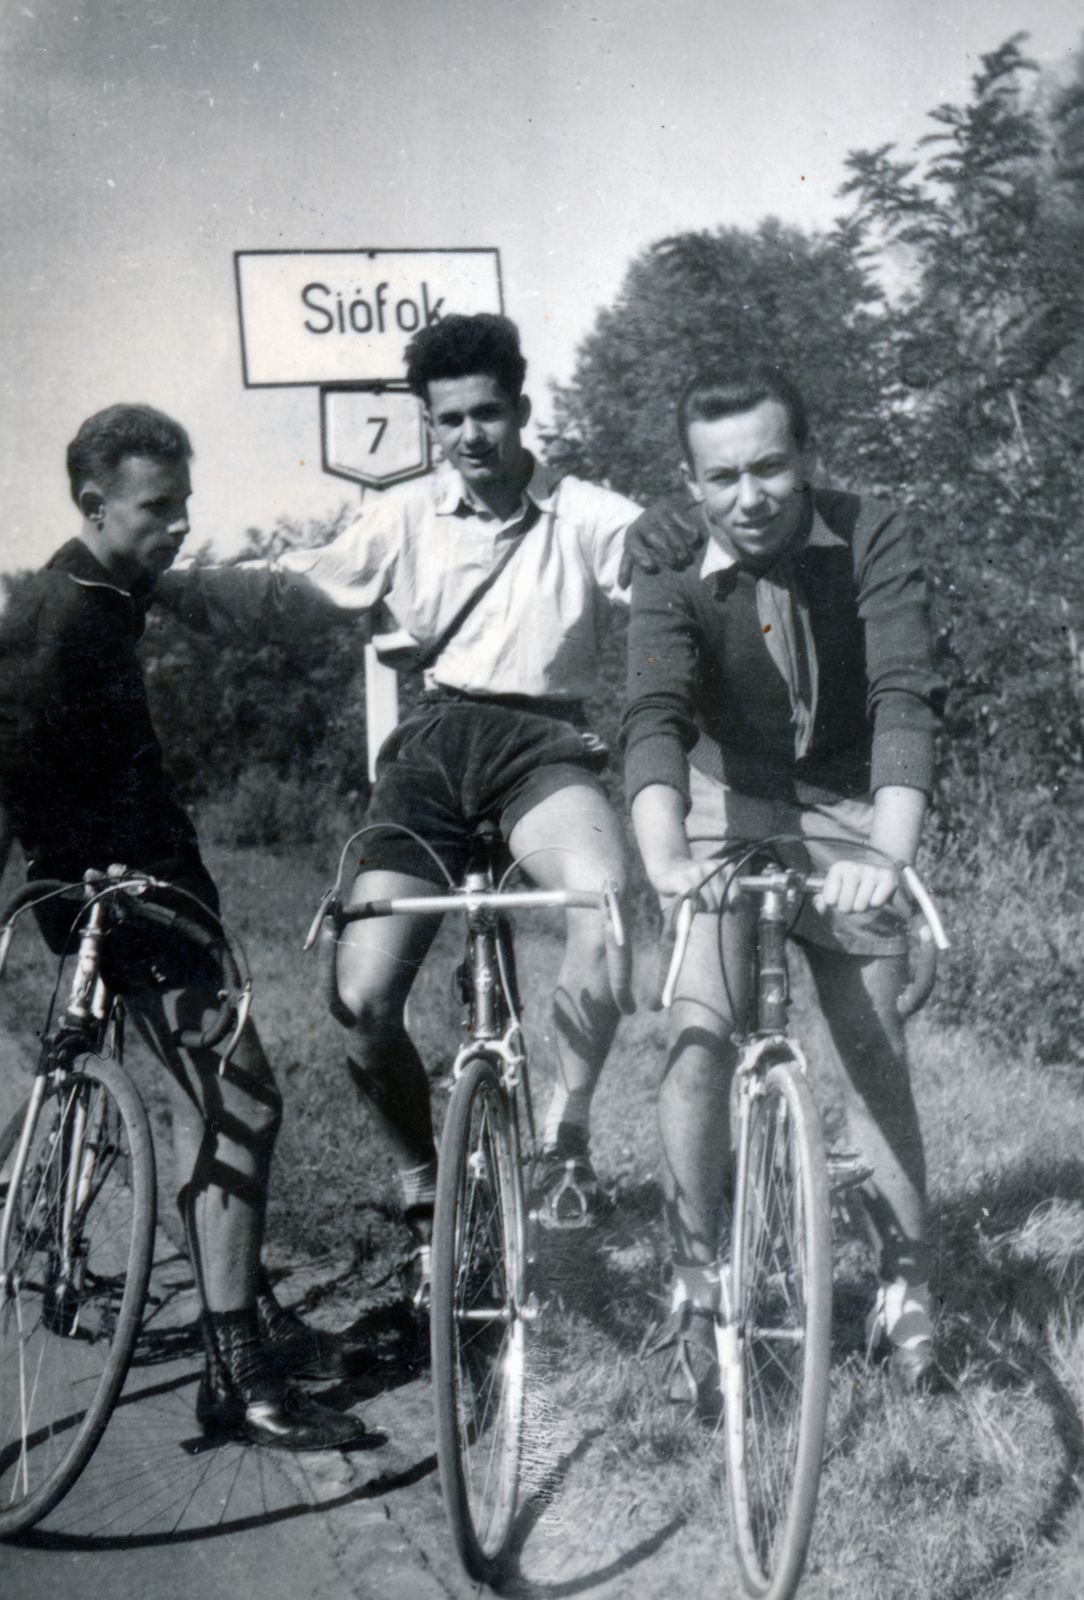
(782,684)
(82,785)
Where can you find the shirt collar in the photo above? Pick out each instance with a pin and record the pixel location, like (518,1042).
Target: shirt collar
(820,536)
(451,494)
(78,560)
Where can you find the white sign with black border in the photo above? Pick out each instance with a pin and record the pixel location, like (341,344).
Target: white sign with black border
(346,316)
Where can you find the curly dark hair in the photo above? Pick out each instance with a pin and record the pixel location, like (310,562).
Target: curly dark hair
(106,438)
(725,391)
(464,347)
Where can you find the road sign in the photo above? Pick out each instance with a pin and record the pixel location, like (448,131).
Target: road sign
(375,438)
(345,316)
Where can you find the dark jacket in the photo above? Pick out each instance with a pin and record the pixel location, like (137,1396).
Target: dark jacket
(701,679)
(80,765)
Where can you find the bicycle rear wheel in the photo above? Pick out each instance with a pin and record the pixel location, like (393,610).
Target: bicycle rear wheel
(478,1332)
(73,1281)
(776,1353)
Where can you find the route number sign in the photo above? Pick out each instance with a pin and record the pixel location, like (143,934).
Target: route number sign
(345,316)
(373,438)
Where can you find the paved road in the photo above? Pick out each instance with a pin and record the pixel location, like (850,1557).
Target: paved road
(157,1516)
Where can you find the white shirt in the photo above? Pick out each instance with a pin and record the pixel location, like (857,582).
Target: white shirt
(424,547)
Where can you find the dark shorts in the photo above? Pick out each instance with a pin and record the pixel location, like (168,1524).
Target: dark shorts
(454,763)
(140,954)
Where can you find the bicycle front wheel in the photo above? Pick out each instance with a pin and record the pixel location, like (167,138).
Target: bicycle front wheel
(72,1282)
(478,1332)
(776,1352)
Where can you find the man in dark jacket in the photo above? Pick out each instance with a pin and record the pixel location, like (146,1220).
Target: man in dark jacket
(82,783)
(781,684)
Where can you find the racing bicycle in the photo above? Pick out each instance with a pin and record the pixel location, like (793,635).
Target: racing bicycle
(487,1297)
(77,1196)
(773,1328)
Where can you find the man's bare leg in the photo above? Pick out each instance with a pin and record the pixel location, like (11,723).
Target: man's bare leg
(573,840)
(377,963)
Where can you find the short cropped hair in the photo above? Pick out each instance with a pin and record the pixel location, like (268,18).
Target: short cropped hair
(727,391)
(467,347)
(106,438)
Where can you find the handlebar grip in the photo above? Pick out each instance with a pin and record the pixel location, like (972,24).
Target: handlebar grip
(36,889)
(192,1039)
(335,1002)
(619,972)
(924,973)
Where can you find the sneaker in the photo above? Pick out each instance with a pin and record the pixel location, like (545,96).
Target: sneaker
(686,1344)
(565,1192)
(901,1322)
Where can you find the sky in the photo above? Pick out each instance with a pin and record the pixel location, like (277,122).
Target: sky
(143,142)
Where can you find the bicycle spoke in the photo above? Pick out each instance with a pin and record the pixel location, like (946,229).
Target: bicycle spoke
(75,1282)
(478,1350)
(777,1393)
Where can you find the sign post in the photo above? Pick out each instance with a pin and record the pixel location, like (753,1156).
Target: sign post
(339,320)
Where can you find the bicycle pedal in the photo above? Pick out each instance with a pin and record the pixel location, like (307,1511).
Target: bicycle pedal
(847,1169)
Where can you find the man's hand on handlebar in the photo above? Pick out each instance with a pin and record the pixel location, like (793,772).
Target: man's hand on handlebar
(857,886)
(682,877)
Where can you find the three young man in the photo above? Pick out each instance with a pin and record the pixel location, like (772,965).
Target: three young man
(776,684)
(82,784)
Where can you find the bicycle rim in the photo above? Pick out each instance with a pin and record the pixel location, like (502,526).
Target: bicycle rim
(477,1330)
(776,1367)
(71,1294)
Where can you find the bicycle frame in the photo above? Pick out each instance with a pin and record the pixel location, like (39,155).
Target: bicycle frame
(83,1030)
(80,1032)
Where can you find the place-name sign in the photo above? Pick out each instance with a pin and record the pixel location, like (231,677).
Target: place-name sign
(346,316)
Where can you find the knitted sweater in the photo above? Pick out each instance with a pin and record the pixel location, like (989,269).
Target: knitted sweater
(703,687)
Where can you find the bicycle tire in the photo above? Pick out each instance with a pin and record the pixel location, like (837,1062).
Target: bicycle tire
(775,1356)
(477,1331)
(65,1352)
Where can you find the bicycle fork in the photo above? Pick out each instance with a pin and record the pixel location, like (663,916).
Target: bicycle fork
(773,998)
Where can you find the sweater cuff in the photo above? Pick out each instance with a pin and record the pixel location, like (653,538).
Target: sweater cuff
(656,759)
(903,756)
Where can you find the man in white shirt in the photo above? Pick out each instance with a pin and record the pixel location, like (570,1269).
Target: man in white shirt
(499,569)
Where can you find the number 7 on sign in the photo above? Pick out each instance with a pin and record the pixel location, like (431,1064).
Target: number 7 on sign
(373,447)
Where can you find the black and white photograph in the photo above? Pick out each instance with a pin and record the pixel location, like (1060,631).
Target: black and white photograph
(542,800)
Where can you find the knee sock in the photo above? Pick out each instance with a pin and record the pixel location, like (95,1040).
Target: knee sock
(419,1184)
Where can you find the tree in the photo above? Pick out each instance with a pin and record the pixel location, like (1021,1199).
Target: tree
(292,715)
(983,401)
(699,298)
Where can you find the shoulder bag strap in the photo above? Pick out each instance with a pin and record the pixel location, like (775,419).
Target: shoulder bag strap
(425,658)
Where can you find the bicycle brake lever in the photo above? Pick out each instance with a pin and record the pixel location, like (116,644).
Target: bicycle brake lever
(614,909)
(244,1006)
(326,903)
(684,927)
(921,896)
